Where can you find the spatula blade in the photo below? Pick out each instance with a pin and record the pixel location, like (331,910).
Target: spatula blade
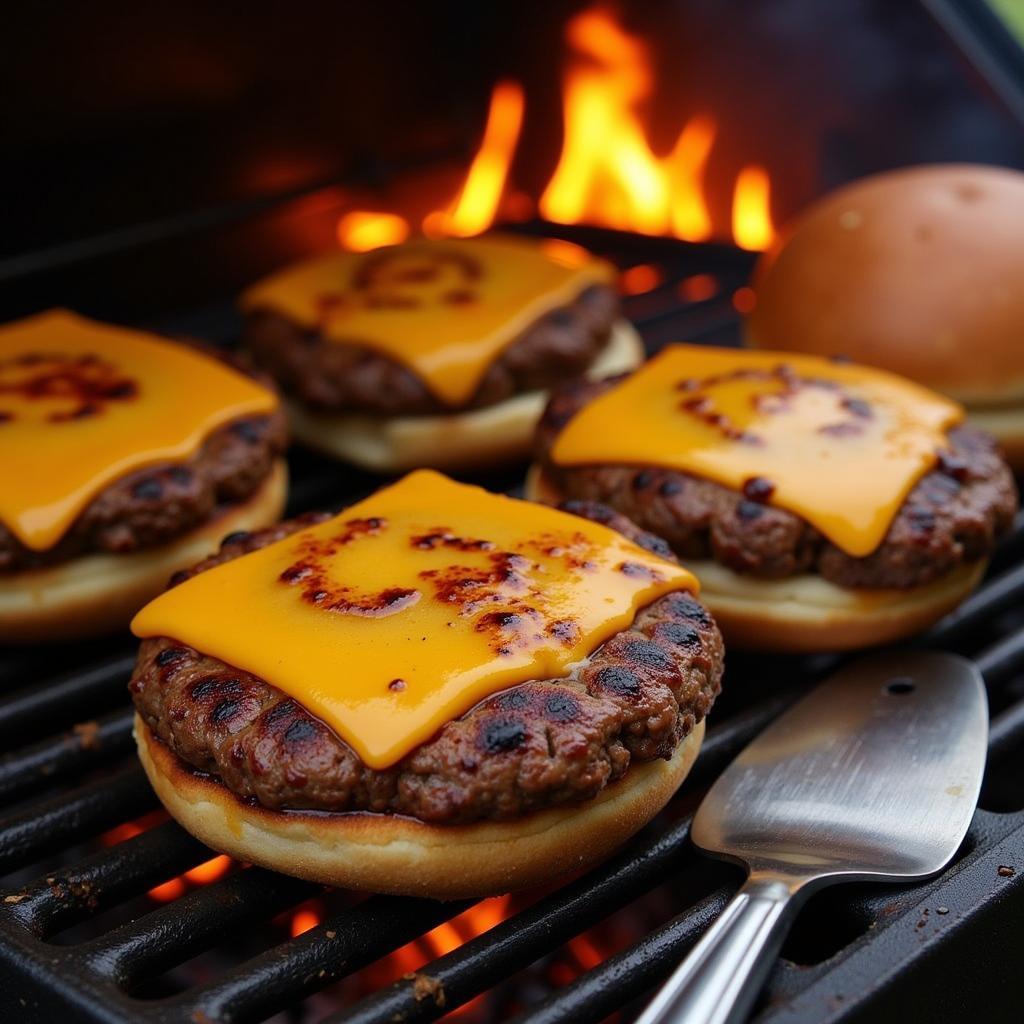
(876,773)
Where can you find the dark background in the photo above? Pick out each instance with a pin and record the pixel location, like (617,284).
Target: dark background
(119,113)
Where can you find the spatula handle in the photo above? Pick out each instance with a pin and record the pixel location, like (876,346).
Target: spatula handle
(719,980)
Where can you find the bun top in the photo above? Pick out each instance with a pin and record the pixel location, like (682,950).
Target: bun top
(919,271)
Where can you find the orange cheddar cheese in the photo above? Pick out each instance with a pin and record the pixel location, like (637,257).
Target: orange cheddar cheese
(83,404)
(837,444)
(443,309)
(407,609)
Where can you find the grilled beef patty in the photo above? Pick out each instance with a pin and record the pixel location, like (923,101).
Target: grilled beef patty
(157,504)
(954,514)
(540,744)
(345,377)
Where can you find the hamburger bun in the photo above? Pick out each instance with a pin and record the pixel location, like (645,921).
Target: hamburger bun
(805,613)
(916,271)
(99,593)
(399,855)
(479,437)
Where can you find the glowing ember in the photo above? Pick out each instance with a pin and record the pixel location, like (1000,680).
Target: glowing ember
(305,919)
(209,871)
(639,279)
(743,300)
(698,287)
(202,874)
(362,230)
(751,220)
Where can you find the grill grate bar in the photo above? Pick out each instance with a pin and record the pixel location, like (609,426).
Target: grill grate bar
(26,710)
(178,931)
(631,973)
(994,597)
(67,895)
(319,957)
(42,763)
(1000,661)
(539,929)
(1006,731)
(72,817)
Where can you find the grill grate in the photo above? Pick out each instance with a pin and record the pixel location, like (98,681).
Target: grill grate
(856,953)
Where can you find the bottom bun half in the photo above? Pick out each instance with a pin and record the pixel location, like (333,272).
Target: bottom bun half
(480,437)
(99,593)
(391,854)
(806,614)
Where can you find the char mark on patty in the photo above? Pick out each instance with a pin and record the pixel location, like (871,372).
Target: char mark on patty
(953,516)
(541,744)
(334,376)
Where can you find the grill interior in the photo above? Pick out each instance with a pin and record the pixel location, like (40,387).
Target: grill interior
(80,941)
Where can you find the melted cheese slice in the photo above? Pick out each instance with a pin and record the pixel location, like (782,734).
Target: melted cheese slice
(83,404)
(403,612)
(839,445)
(444,309)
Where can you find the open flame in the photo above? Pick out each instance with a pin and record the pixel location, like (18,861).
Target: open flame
(607,174)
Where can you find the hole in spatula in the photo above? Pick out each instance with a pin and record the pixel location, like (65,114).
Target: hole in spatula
(899,687)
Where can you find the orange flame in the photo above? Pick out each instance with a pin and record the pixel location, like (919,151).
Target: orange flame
(751,219)
(475,209)
(607,173)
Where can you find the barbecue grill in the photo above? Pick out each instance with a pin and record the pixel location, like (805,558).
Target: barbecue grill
(79,941)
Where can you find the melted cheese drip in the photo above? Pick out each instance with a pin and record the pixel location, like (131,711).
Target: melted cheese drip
(445,309)
(839,445)
(83,404)
(403,612)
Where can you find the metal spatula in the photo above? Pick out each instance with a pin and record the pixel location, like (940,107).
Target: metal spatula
(873,776)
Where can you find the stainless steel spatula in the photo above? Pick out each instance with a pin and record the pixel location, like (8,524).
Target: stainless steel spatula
(873,776)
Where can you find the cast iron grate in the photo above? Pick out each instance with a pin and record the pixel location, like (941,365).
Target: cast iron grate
(934,951)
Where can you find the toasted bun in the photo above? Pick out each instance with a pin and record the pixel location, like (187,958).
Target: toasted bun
(99,593)
(917,271)
(804,614)
(382,853)
(480,437)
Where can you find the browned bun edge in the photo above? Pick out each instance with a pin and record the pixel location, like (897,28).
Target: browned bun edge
(462,440)
(805,613)
(99,593)
(403,856)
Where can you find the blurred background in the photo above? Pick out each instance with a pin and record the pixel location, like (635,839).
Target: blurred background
(697,119)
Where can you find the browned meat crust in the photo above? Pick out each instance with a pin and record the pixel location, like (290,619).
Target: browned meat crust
(954,515)
(159,503)
(536,745)
(333,376)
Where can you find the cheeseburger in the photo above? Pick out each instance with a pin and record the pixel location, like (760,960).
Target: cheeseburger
(124,457)
(822,505)
(435,353)
(440,691)
(916,271)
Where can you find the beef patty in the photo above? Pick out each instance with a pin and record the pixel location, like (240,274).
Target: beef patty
(539,744)
(335,376)
(157,504)
(954,514)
